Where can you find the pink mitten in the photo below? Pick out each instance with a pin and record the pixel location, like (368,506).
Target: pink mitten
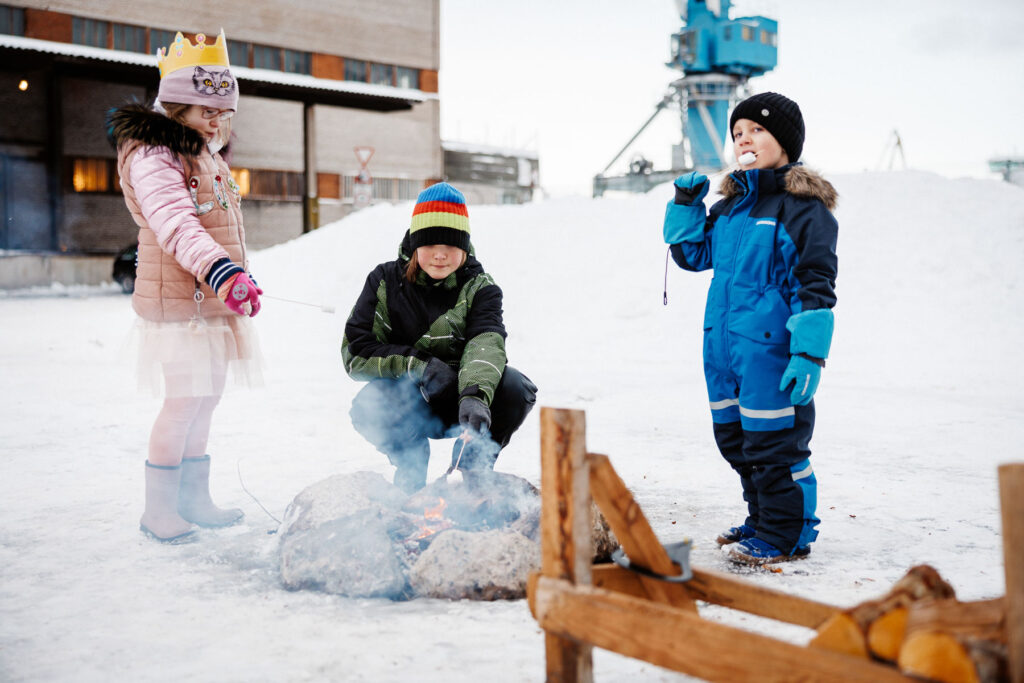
(240,294)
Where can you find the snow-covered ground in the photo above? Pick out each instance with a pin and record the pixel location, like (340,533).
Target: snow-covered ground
(920,402)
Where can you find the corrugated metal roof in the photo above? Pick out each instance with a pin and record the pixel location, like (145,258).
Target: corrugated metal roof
(240,72)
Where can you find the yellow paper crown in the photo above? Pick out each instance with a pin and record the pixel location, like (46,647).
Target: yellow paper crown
(182,53)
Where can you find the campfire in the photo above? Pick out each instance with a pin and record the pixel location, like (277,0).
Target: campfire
(432,522)
(491,503)
(358,535)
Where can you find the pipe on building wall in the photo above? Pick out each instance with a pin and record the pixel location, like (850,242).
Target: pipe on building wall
(311,202)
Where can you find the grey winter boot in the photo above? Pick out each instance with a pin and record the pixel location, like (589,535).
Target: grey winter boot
(194,502)
(161,520)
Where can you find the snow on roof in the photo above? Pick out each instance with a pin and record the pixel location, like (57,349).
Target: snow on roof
(474,148)
(240,72)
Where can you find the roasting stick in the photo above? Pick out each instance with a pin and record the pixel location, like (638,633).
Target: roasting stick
(325,309)
(454,467)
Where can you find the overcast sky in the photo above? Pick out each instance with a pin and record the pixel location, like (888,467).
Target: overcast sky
(574,80)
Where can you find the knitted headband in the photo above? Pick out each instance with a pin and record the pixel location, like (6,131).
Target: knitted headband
(779,115)
(440,217)
(197,74)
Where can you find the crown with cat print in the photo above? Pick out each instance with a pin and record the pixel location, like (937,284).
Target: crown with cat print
(197,74)
(182,53)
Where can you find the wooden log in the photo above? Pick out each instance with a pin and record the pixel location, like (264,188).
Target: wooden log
(635,534)
(841,633)
(680,640)
(949,640)
(1011,500)
(983,619)
(848,632)
(727,591)
(886,634)
(952,658)
(565,530)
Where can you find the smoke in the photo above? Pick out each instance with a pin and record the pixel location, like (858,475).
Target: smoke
(393,416)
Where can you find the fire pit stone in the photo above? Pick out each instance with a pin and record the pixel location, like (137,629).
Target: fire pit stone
(475,565)
(359,535)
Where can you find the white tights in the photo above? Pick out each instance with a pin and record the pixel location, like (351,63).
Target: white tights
(182,427)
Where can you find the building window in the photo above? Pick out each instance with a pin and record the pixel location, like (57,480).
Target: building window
(93,175)
(727,33)
(408,189)
(298,62)
(159,38)
(769,38)
(747,33)
(328,185)
(243,180)
(238,53)
(382,74)
(89,32)
(281,185)
(355,70)
(407,78)
(383,188)
(12,20)
(266,57)
(130,38)
(348,186)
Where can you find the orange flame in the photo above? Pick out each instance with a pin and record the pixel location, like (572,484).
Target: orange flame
(433,520)
(436,512)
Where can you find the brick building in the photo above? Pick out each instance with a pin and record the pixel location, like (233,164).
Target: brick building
(317,80)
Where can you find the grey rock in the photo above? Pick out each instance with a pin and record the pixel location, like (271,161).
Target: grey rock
(351,556)
(338,496)
(480,565)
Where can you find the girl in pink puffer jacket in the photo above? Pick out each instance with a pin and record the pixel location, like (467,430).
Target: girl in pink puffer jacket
(193,294)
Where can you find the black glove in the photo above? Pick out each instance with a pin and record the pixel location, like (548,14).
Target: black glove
(474,414)
(438,379)
(691,188)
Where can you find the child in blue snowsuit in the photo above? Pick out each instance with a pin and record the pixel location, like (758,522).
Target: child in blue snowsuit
(768,323)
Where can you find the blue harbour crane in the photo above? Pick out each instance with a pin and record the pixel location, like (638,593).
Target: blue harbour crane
(717,55)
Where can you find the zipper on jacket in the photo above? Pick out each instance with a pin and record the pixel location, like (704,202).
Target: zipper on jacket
(749,195)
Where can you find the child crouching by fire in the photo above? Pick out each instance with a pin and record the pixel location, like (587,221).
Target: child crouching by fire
(427,335)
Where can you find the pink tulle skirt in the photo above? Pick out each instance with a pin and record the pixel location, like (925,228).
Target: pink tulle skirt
(197,358)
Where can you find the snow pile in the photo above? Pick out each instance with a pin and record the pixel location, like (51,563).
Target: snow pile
(919,404)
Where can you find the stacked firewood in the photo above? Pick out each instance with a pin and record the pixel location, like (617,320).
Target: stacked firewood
(921,628)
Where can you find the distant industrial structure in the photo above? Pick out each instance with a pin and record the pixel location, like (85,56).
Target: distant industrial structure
(1011,168)
(491,175)
(717,55)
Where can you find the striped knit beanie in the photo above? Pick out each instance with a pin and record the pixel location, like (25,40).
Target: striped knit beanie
(440,217)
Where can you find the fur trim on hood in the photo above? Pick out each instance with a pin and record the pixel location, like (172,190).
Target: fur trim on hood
(799,181)
(139,122)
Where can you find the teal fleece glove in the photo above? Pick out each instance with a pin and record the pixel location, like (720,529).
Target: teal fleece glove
(811,332)
(810,339)
(685,214)
(804,375)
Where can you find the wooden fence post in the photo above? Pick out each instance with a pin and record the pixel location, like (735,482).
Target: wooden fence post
(564,523)
(1011,497)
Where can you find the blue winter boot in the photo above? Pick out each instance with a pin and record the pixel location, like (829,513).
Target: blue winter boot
(754,551)
(736,534)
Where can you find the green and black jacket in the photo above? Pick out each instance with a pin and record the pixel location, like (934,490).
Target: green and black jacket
(397,326)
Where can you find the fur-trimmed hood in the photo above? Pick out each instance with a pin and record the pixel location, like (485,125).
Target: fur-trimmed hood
(796,179)
(139,122)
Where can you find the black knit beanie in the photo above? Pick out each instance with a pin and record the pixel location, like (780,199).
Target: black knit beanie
(779,115)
